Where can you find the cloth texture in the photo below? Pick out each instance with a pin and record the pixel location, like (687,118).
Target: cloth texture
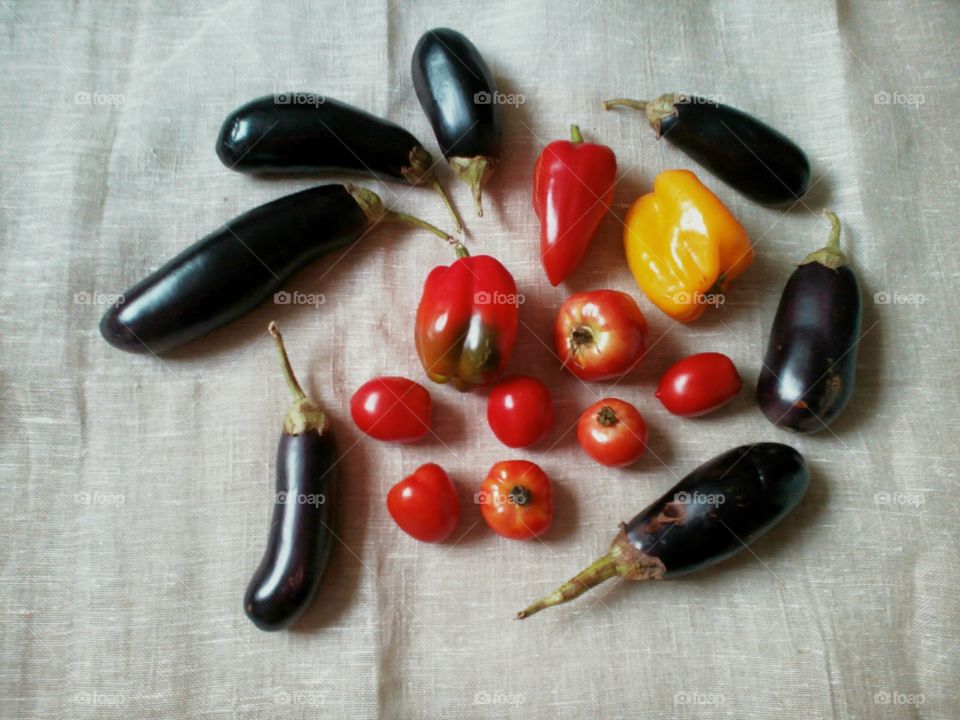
(137,490)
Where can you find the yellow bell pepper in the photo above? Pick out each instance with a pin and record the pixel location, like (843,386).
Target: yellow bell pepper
(683,246)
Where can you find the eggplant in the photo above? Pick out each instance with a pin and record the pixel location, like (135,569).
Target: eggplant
(747,154)
(236,267)
(457,92)
(711,514)
(280,135)
(302,528)
(811,362)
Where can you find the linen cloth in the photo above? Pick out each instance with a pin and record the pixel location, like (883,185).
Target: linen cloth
(137,491)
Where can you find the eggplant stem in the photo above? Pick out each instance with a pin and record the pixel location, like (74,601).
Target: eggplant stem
(458,222)
(304,415)
(288,374)
(833,242)
(575,135)
(394,216)
(830,255)
(597,572)
(655,110)
(640,105)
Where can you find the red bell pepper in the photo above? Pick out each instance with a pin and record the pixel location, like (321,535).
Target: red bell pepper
(467,321)
(572,189)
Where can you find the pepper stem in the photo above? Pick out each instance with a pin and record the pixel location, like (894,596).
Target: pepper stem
(597,572)
(575,136)
(656,110)
(830,254)
(461,250)
(303,414)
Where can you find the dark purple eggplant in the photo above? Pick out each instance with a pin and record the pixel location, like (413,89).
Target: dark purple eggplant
(457,92)
(283,134)
(301,531)
(747,154)
(811,362)
(235,268)
(711,514)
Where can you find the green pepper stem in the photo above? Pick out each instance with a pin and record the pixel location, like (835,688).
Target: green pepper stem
(288,374)
(461,250)
(597,572)
(575,136)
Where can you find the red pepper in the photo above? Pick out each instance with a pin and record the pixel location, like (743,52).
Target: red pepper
(572,189)
(467,321)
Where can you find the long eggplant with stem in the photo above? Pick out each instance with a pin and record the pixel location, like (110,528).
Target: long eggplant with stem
(238,266)
(310,134)
(711,514)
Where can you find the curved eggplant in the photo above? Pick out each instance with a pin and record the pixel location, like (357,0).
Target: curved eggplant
(457,92)
(238,266)
(301,531)
(747,154)
(280,134)
(711,514)
(811,362)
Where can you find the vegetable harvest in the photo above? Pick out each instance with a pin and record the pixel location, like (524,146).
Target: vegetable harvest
(301,531)
(710,515)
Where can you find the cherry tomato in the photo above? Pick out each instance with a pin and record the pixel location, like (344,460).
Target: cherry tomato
(612,432)
(699,384)
(425,504)
(392,408)
(520,411)
(516,499)
(600,334)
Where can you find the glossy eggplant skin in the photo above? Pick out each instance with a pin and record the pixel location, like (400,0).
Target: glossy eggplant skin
(301,531)
(232,270)
(269,137)
(744,152)
(719,508)
(458,94)
(810,365)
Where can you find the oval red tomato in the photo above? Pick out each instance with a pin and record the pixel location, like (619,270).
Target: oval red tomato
(516,499)
(699,384)
(520,411)
(425,504)
(392,408)
(612,432)
(600,334)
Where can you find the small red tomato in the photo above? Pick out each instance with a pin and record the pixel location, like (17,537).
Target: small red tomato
(699,384)
(425,505)
(612,432)
(392,408)
(520,411)
(516,499)
(600,334)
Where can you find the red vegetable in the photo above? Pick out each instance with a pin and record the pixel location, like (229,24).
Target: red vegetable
(516,500)
(699,384)
(520,411)
(392,408)
(612,432)
(600,334)
(572,189)
(467,321)
(425,504)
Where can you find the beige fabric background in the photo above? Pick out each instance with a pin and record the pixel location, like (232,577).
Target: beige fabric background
(136,492)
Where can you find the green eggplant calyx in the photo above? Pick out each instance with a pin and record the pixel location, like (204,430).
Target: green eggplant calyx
(830,254)
(303,415)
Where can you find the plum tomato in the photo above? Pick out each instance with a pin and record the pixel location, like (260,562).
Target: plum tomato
(392,408)
(699,384)
(425,504)
(612,432)
(516,499)
(600,334)
(520,411)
